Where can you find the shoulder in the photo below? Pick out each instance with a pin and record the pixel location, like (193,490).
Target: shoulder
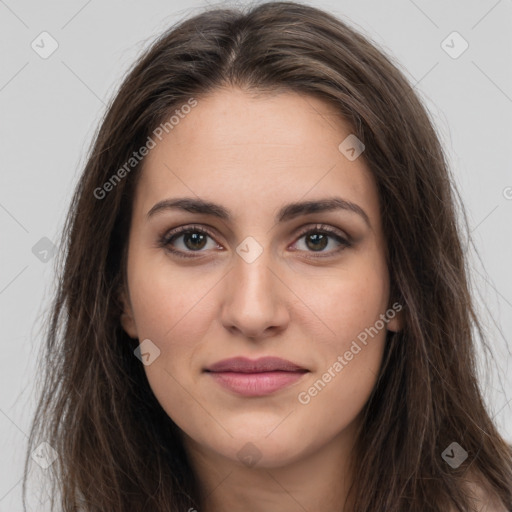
(484,496)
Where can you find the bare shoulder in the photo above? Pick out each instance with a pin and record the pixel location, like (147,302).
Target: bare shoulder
(485,497)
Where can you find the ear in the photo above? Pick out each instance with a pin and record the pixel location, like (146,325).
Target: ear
(396,317)
(127,319)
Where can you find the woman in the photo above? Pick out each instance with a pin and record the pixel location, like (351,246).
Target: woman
(264,303)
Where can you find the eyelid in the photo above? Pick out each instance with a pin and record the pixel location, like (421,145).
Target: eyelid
(343,238)
(324,228)
(165,239)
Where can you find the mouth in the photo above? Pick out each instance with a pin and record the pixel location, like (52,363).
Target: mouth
(258,377)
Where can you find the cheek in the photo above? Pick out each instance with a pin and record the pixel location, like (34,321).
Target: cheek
(347,302)
(167,301)
(171,310)
(346,374)
(350,350)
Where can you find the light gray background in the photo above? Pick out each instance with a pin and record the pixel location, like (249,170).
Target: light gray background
(51,107)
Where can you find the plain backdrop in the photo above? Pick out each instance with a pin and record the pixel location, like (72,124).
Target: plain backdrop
(50,108)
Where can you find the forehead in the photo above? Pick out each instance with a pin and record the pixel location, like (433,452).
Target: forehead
(253,151)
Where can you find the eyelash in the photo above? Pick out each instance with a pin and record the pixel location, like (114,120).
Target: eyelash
(166,239)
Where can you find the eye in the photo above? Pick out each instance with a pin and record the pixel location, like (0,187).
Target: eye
(318,238)
(195,239)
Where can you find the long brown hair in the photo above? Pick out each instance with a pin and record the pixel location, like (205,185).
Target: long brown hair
(117,448)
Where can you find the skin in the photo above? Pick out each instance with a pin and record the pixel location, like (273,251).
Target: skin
(253,155)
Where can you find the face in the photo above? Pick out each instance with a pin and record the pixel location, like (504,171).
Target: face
(254,278)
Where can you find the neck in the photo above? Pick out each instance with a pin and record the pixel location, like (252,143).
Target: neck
(317,480)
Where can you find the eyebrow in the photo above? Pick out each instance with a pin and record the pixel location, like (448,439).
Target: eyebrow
(286,213)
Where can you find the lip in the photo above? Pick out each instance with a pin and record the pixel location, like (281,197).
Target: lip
(255,377)
(246,365)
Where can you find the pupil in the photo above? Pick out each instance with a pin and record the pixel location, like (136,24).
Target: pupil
(197,238)
(319,238)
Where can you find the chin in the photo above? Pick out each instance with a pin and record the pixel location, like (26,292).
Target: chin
(253,450)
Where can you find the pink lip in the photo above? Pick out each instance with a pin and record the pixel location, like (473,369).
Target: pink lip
(255,377)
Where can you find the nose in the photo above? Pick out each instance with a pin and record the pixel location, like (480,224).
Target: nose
(255,299)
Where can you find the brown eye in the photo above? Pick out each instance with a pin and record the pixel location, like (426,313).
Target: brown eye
(194,239)
(316,240)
